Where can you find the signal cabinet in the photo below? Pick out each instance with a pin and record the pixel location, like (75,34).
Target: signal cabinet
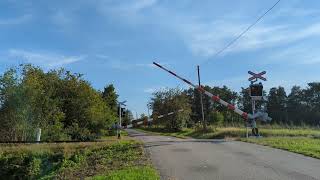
(256,90)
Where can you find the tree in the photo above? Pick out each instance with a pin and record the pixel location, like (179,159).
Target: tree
(277,105)
(62,104)
(296,106)
(312,99)
(128,117)
(171,100)
(216,118)
(110,96)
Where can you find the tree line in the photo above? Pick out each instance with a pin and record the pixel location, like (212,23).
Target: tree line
(61,103)
(300,107)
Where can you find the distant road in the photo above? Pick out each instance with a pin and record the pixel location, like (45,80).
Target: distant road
(189,159)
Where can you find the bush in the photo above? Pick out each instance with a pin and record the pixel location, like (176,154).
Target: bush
(216,118)
(68,161)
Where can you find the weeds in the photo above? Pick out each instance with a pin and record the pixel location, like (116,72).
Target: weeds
(69,160)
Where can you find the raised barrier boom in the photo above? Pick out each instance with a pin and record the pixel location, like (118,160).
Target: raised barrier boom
(214,98)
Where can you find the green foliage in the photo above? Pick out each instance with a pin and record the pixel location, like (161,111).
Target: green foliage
(224,93)
(171,100)
(300,107)
(110,97)
(133,173)
(69,161)
(302,145)
(234,132)
(216,118)
(128,117)
(55,101)
(277,100)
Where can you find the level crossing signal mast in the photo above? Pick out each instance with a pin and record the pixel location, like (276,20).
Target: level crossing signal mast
(123,112)
(256,90)
(262,115)
(256,94)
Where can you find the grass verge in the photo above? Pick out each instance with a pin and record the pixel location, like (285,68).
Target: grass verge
(73,160)
(132,173)
(232,132)
(302,141)
(302,145)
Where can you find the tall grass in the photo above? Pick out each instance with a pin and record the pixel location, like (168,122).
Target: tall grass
(69,160)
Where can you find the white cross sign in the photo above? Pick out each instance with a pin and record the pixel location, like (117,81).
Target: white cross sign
(257,76)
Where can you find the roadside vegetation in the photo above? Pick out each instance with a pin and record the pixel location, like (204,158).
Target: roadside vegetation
(295,124)
(110,159)
(303,141)
(300,108)
(301,145)
(63,104)
(232,132)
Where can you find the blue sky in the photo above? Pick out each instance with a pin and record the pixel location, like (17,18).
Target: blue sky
(116,41)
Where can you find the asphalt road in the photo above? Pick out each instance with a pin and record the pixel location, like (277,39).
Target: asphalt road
(184,159)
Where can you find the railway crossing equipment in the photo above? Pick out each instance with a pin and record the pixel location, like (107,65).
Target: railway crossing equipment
(244,115)
(138,122)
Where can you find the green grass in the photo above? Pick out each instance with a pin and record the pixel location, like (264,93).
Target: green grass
(71,160)
(233,132)
(302,141)
(302,145)
(132,173)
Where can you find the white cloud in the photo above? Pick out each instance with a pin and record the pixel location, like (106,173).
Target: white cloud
(205,39)
(128,10)
(304,54)
(17,20)
(125,65)
(153,89)
(149,90)
(145,65)
(44,59)
(121,65)
(294,12)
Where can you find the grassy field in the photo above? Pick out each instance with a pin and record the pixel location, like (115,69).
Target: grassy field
(132,173)
(110,159)
(303,141)
(233,132)
(302,145)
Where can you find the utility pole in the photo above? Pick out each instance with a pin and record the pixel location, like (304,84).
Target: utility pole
(119,132)
(120,114)
(203,119)
(148,111)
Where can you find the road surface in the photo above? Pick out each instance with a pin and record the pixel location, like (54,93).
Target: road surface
(190,159)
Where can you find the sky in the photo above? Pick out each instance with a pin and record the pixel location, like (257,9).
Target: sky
(112,41)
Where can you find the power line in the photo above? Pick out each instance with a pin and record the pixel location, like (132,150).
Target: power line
(243,32)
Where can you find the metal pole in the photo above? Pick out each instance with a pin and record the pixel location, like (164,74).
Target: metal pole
(203,120)
(247,130)
(148,111)
(253,111)
(38,134)
(119,132)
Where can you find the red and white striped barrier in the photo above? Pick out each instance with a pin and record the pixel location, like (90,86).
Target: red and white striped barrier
(161,116)
(168,114)
(214,98)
